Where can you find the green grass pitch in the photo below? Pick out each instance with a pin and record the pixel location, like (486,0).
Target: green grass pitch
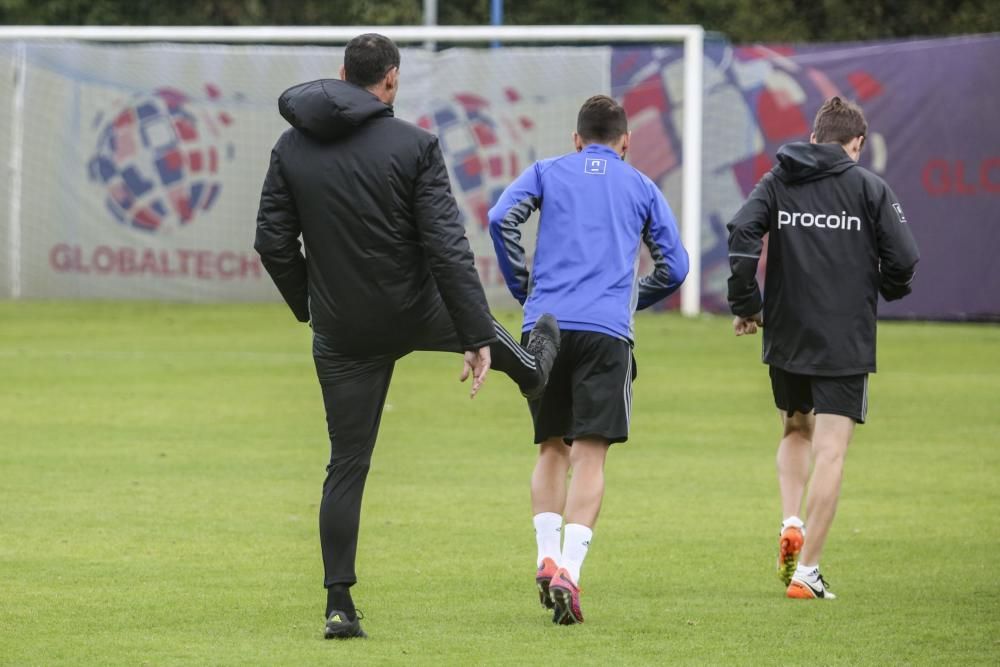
(160,469)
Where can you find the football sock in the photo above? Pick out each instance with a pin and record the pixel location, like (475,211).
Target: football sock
(793,521)
(338,597)
(548,530)
(576,541)
(809,572)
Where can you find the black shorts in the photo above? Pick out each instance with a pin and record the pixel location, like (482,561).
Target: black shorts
(846,395)
(590,389)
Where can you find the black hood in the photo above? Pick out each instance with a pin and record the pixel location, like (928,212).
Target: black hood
(801,162)
(329,109)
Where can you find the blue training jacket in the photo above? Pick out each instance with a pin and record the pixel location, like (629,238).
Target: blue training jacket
(595,209)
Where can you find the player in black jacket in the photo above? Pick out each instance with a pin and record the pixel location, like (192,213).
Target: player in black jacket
(837,238)
(387,270)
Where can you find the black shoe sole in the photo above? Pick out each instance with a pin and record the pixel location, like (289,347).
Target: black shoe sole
(562,601)
(359,634)
(546,329)
(543,594)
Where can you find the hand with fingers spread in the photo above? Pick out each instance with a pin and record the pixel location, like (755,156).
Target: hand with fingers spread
(476,364)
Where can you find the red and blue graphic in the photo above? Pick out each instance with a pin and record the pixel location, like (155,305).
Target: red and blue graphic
(485,150)
(756,98)
(932,134)
(159,157)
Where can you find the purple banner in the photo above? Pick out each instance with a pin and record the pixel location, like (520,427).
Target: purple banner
(932,109)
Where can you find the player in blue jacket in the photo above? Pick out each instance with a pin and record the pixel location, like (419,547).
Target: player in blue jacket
(595,211)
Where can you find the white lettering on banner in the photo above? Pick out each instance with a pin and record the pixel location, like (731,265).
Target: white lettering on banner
(137,262)
(820,220)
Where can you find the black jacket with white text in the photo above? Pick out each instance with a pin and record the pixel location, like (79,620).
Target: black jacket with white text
(837,237)
(384,243)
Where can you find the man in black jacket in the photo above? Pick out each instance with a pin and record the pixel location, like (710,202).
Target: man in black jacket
(837,238)
(387,270)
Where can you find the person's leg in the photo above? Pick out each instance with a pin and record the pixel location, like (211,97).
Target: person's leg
(793,398)
(583,500)
(601,385)
(548,480)
(602,373)
(507,356)
(550,417)
(548,498)
(841,402)
(354,394)
(603,370)
(831,437)
(793,461)
(586,488)
(514,360)
(583,505)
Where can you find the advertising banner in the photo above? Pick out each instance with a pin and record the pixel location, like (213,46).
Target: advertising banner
(142,165)
(931,107)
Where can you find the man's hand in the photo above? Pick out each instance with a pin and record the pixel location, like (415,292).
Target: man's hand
(477,363)
(747,325)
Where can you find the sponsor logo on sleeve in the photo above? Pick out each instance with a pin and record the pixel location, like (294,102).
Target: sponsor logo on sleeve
(899,211)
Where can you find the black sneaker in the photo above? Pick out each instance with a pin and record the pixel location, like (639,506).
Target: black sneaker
(543,344)
(340,626)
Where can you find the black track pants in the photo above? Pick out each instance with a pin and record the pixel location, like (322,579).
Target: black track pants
(354,392)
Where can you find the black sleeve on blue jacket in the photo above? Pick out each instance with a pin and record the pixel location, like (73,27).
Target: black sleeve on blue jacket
(746,241)
(277,240)
(515,206)
(670,259)
(897,249)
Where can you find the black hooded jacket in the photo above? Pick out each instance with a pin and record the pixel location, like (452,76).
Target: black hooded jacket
(370,196)
(837,237)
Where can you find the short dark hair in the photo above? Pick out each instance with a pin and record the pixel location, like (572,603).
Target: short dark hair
(368,58)
(601,120)
(839,121)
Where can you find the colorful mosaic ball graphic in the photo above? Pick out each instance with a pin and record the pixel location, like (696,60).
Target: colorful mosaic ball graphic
(485,145)
(159,157)
(756,99)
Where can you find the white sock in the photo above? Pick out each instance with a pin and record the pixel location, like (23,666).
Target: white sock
(793,521)
(575,544)
(548,530)
(809,572)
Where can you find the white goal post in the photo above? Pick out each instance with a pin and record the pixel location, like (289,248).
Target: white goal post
(692,37)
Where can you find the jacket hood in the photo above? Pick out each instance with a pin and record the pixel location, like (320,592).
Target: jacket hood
(329,109)
(801,162)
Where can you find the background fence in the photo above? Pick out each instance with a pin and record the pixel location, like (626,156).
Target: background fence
(141,165)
